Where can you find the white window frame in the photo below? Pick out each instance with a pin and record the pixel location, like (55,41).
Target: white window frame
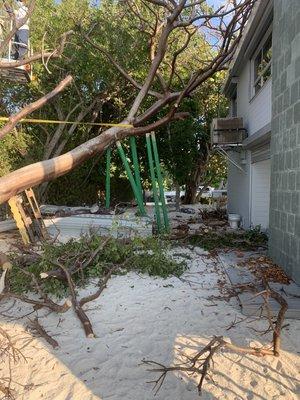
(255,54)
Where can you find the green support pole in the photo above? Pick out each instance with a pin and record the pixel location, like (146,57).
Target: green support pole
(136,167)
(107,178)
(160,183)
(135,189)
(154,189)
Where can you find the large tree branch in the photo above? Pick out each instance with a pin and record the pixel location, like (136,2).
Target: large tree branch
(14,119)
(142,130)
(37,173)
(34,174)
(161,50)
(59,131)
(190,34)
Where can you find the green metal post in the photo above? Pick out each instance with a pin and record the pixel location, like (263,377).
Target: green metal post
(107,178)
(131,179)
(154,189)
(136,167)
(160,183)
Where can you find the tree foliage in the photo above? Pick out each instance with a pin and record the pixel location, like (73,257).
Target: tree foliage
(186,146)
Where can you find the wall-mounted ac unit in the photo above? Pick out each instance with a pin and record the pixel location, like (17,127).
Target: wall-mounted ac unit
(227,131)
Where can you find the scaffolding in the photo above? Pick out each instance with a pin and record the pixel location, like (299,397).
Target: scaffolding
(17,74)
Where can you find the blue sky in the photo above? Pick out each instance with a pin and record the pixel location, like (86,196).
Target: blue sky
(215,3)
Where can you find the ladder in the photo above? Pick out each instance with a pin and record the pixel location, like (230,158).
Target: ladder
(28,218)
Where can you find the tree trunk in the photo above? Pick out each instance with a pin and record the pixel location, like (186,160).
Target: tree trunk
(43,171)
(34,174)
(177,197)
(190,192)
(195,178)
(192,184)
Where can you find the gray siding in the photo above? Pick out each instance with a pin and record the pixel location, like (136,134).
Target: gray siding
(285,139)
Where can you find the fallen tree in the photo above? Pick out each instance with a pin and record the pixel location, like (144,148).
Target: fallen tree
(74,263)
(158,91)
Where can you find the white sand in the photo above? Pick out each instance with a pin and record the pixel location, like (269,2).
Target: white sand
(141,317)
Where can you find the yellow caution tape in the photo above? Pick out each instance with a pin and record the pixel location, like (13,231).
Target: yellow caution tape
(51,121)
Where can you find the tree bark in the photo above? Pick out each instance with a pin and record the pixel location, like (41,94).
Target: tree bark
(192,184)
(14,119)
(34,174)
(190,193)
(195,178)
(177,197)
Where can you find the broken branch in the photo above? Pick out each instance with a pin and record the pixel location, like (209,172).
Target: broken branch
(86,323)
(36,326)
(201,366)
(59,274)
(14,119)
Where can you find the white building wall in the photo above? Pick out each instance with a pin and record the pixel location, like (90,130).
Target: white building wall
(255,110)
(260,193)
(256,113)
(260,109)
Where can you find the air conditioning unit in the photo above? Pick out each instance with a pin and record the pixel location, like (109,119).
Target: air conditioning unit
(227,131)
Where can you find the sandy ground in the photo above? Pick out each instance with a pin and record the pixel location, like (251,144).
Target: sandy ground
(138,317)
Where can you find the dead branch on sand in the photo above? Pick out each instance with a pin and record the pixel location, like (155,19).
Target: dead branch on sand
(77,304)
(9,354)
(36,327)
(201,363)
(66,265)
(50,304)
(102,285)
(86,323)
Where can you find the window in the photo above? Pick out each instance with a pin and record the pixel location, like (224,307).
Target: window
(262,64)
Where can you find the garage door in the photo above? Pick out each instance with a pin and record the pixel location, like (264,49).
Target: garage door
(260,194)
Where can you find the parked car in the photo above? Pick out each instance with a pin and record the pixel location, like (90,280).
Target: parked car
(219,193)
(207,192)
(170,196)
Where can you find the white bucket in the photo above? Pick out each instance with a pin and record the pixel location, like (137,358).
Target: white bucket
(234,220)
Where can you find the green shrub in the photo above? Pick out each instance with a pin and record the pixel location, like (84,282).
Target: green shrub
(143,255)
